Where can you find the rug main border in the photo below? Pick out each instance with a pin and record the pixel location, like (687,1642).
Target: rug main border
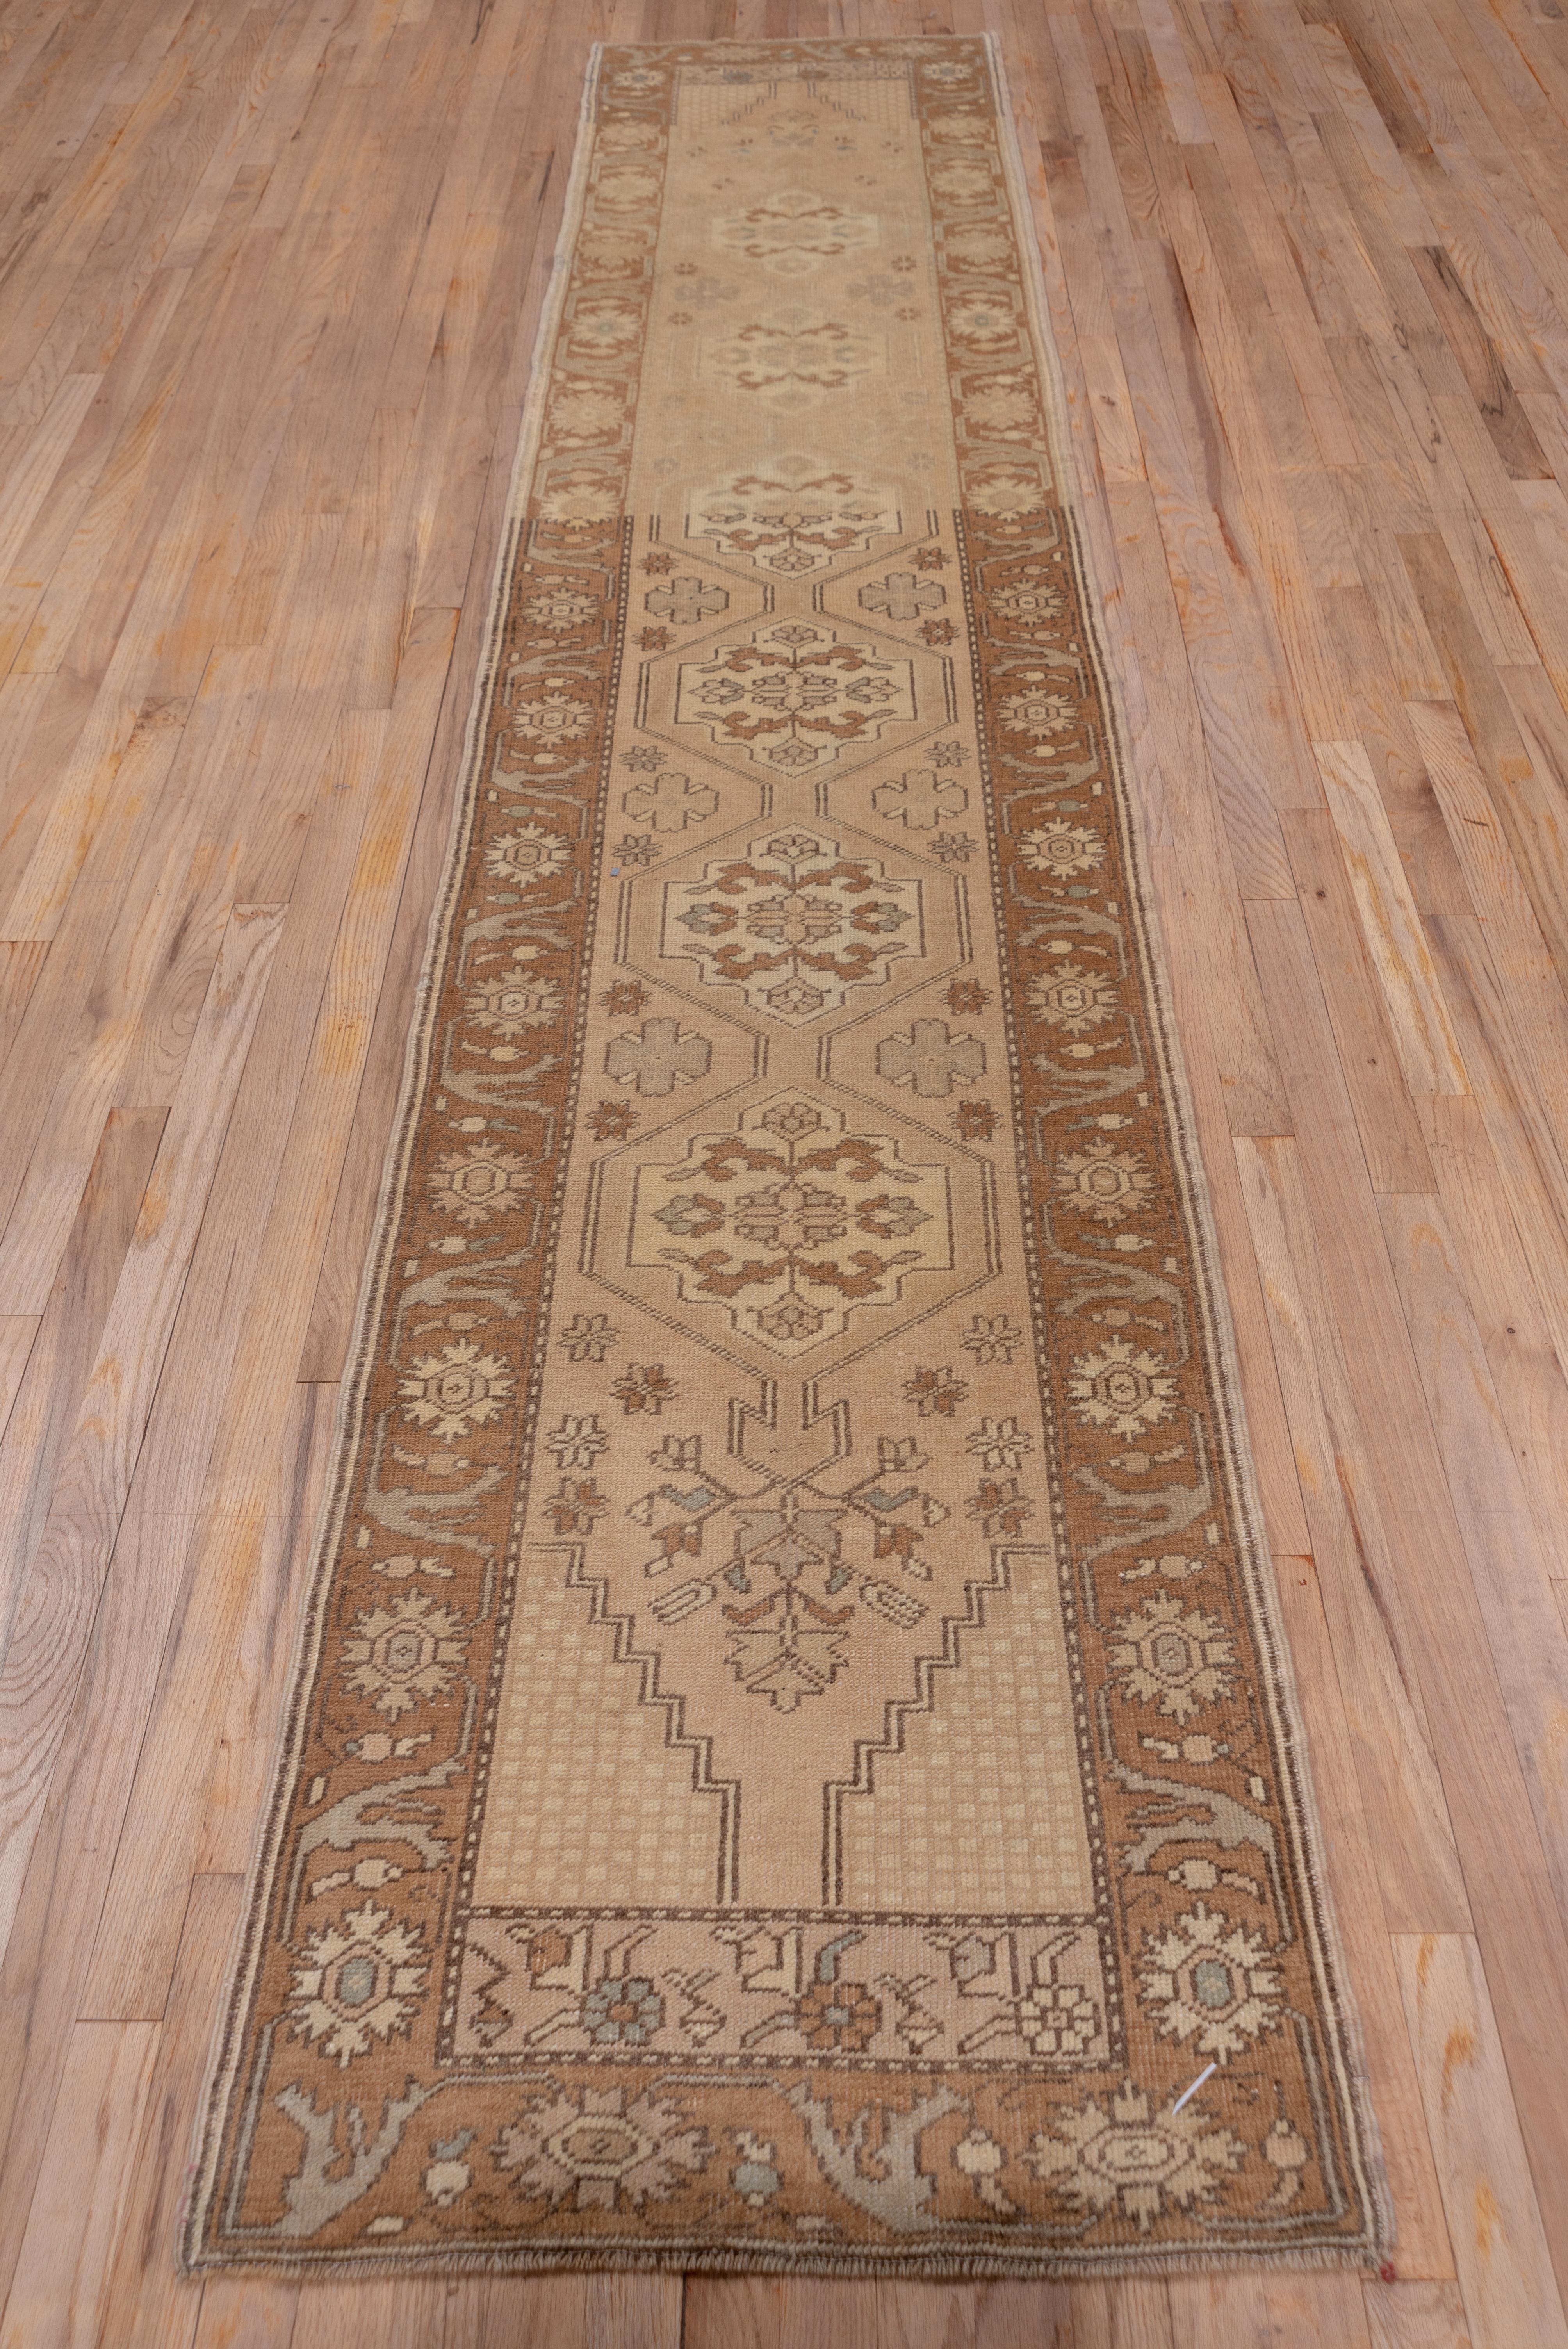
(998,2260)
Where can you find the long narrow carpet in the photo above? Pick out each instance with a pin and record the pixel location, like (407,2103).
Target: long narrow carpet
(791,1763)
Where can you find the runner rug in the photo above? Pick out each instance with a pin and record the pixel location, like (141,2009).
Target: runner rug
(791,1763)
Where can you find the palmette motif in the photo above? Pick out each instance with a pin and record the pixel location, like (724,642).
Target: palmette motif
(789,1766)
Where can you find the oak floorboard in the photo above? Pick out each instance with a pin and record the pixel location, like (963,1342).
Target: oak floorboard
(58,1595)
(246,2313)
(1390,1735)
(1509,1566)
(1501,2246)
(59,2294)
(1415,2315)
(59,1357)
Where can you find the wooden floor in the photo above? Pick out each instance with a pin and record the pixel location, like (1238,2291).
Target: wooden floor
(270,275)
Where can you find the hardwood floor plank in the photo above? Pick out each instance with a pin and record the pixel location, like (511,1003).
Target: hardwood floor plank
(256,1694)
(1494,1829)
(150,2305)
(246,2313)
(1423,1033)
(1513,1072)
(1415,2316)
(21,960)
(1169,716)
(1508,1562)
(776,2313)
(176,1763)
(1391,1738)
(59,1595)
(59,2294)
(17,1332)
(1487,719)
(1385,1117)
(1123,2317)
(1501,2244)
(59,1359)
(1525,1371)
(1354,1867)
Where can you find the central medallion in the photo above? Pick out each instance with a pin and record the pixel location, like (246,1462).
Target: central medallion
(793,696)
(794,924)
(789,1221)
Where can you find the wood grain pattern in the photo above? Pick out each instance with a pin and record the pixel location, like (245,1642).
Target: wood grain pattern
(269,277)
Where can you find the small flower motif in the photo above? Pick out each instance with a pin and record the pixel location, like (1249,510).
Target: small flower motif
(624,2011)
(841,2016)
(405,1653)
(584,415)
(643,757)
(935,1392)
(935,632)
(1031,602)
(601,2148)
(992,1337)
(1170,1658)
(1127,2160)
(756,2177)
(1058,2018)
(999,1444)
(967,996)
(553,718)
(560,609)
(576,1506)
(1072,997)
(448,2174)
(978,2158)
(983,323)
(1212,1982)
(643,1387)
(1039,712)
(531,854)
(1122,1388)
(579,504)
(653,640)
(931,558)
(588,1337)
(511,1003)
(1002,492)
(998,1507)
(473,1184)
(625,998)
(950,754)
(578,1442)
(1062,849)
(460,1388)
(953,847)
(655,565)
(1104,1182)
(975,1121)
(357,1982)
(635,848)
(1288,2154)
(1003,408)
(612,1121)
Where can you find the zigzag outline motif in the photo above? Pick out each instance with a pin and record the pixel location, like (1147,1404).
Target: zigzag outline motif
(897,1708)
(725,1790)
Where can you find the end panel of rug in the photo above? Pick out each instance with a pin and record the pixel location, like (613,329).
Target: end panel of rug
(791,1762)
